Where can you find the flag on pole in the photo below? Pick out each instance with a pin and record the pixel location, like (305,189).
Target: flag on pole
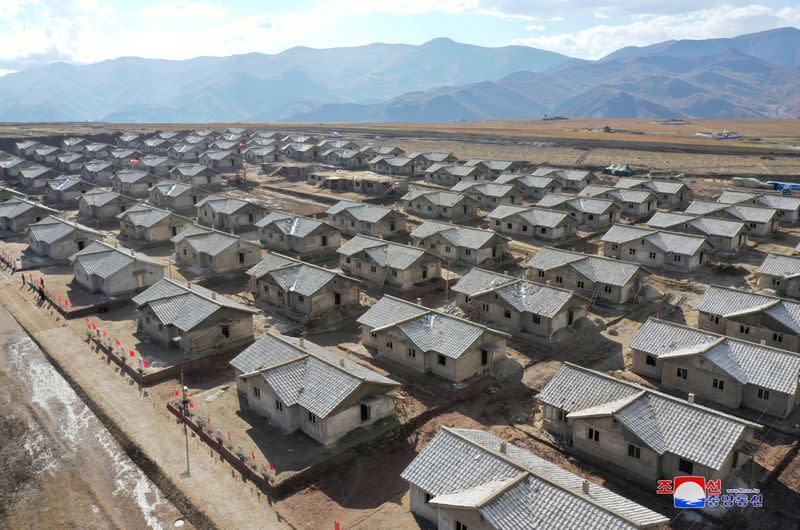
(146,364)
(271,467)
(336,525)
(133,353)
(66,303)
(177,393)
(104,333)
(191,405)
(117,342)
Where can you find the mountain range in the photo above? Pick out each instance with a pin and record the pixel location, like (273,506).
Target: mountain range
(754,75)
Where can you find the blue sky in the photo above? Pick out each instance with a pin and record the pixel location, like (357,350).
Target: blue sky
(33,32)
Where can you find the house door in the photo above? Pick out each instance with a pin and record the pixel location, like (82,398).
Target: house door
(81,244)
(364,412)
(324,241)
(241,257)
(570,318)
(337,299)
(494,252)
(139,281)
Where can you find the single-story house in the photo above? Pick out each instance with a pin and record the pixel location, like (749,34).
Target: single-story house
(17,213)
(149,224)
(302,152)
(129,140)
(176,196)
(430,341)
(170,136)
(468,479)
(532,187)
(10,166)
(424,160)
(298,385)
(489,195)
(193,319)
(195,174)
(124,158)
(393,165)
(591,214)
(726,237)
(97,150)
(723,370)
(780,273)
(134,183)
(750,316)
(762,222)
(448,205)
(155,146)
(301,288)
(223,161)
(35,177)
(58,239)
(205,250)
(70,162)
(354,218)
(112,272)
(572,180)
(635,204)
(656,248)
(452,174)
(26,148)
(519,306)
(103,205)
(263,155)
(187,152)
(460,244)
(494,168)
(65,191)
(73,144)
(157,165)
(98,172)
(46,154)
(380,263)
(788,207)
(533,223)
(299,236)
(228,214)
(643,433)
(595,277)
(670,194)
(382,150)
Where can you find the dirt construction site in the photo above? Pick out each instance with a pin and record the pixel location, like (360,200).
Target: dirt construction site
(356,484)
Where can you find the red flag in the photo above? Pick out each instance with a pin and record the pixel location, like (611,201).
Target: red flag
(177,393)
(229,436)
(133,353)
(271,467)
(88,321)
(59,298)
(94,327)
(336,525)
(104,333)
(191,405)
(116,341)
(30,275)
(146,364)
(66,303)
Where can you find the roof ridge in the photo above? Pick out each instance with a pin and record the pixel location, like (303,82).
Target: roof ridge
(530,471)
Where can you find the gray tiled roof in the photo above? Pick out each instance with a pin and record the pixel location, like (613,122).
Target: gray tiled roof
(595,268)
(51,229)
(494,165)
(479,280)
(427,329)
(131,176)
(516,489)
(206,240)
(527,181)
(710,226)
(34,170)
(747,362)
(308,375)
(663,423)
(189,170)
(779,202)
(370,213)
(753,214)
(729,302)
(96,165)
(175,303)
(780,265)
(383,253)
(733,197)
(172,189)
(225,205)
(459,236)
(439,198)
(292,225)
(153,160)
(533,216)
(15,207)
(144,215)
(99,197)
(673,242)
(564,174)
(487,189)
(63,183)
(103,260)
(579,204)
(293,275)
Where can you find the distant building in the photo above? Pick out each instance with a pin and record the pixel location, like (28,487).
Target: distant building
(133,183)
(58,239)
(384,263)
(354,218)
(656,248)
(176,196)
(533,223)
(17,214)
(460,244)
(205,250)
(148,224)
(761,221)
(103,205)
(670,194)
(727,238)
(434,204)
(228,214)
(299,236)
(780,273)
(592,214)
(112,272)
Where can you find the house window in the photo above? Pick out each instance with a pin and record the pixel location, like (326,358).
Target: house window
(652,255)
(543,230)
(226,331)
(524,228)
(442,360)
(509,226)
(184,252)
(484,307)
(278,405)
(373,268)
(562,416)
(632,251)
(540,274)
(607,288)
(676,257)
(714,319)
(428,498)
(358,264)
(650,360)
(683,373)
(614,246)
(312,418)
(685,466)
(777,337)
(412,353)
(744,329)
(256,392)
(634,451)
(763,393)
(461,526)
(580,284)
(559,279)
(719,384)
(507,313)
(447,249)
(365,412)
(484,357)
(374,335)
(536,319)
(594,434)
(468,252)
(300,298)
(389,344)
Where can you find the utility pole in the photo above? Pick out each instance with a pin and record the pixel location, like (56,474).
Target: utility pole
(184,404)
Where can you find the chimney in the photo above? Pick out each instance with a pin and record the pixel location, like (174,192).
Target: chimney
(547,283)
(503,447)
(763,342)
(189,285)
(301,342)
(585,487)
(419,301)
(341,362)
(690,397)
(213,295)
